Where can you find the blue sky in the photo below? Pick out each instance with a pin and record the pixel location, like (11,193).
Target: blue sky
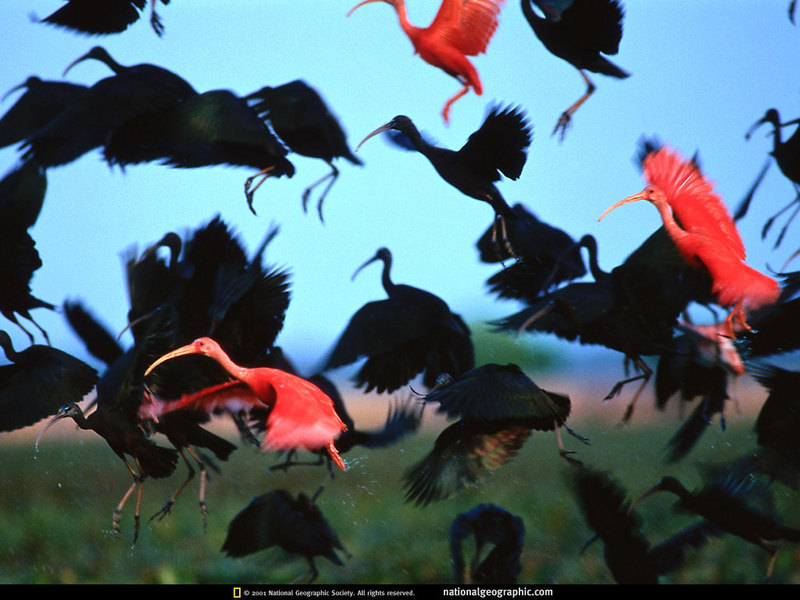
(701,74)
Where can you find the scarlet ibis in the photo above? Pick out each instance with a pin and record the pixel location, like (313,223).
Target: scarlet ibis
(580,34)
(304,122)
(461,28)
(278,519)
(86,124)
(706,237)
(38,381)
(787,155)
(213,128)
(103,17)
(411,332)
(492,527)
(734,501)
(546,257)
(498,146)
(301,415)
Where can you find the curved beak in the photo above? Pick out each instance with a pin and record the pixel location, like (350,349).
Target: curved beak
(634,198)
(75,62)
(182,351)
(358,270)
(14,89)
(380,129)
(59,415)
(360,4)
(755,126)
(656,488)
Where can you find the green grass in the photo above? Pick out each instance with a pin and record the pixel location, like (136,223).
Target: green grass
(56,508)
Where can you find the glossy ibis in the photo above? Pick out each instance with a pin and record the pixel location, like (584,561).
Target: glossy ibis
(304,122)
(498,146)
(580,34)
(301,416)
(86,123)
(278,519)
(103,17)
(736,502)
(38,381)
(213,128)
(787,155)
(494,528)
(411,332)
(707,237)
(461,28)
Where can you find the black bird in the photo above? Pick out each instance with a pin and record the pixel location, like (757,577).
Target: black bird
(581,34)
(411,332)
(86,123)
(42,102)
(277,519)
(494,528)
(38,381)
(304,122)
(498,146)
(213,128)
(546,257)
(787,154)
(103,17)
(735,501)
(22,192)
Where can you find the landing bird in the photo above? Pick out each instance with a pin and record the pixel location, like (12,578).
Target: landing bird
(461,28)
(704,234)
(787,155)
(580,33)
(498,146)
(103,17)
(301,416)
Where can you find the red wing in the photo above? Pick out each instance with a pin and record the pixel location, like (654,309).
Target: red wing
(467,25)
(231,395)
(694,203)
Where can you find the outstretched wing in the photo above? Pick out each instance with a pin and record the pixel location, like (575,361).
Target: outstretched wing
(466,25)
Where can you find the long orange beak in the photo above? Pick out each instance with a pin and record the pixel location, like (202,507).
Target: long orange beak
(380,129)
(182,351)
(634,198)
(362,4)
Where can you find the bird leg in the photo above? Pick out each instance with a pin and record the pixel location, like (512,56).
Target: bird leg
(333,175)
(501,242)
(565,454)
(284,466)
(449,103)
(264,174)
(167,508)
(155,20)
(646,374)
(138,481)
(771,220)
(566,117)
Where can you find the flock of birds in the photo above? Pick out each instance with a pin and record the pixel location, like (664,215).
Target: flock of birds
(205,316)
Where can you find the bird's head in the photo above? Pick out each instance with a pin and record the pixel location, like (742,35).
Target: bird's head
(382,254)
(360,4)
(771,116)
(400,123)
(203,345)
(97,53)
(651,193)
(70,409)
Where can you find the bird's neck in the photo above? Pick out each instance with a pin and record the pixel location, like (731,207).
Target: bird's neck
(675,231)
(534,20)
(402,16)
(386,279)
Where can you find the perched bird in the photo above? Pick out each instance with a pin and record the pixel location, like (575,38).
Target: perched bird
(38,381)
(103,17)
(704,233)
(495,529)
(412,332)
(581,32)
(498,146)
(277,519)
(787,155)
(461,28)
(304,122)
(301,416)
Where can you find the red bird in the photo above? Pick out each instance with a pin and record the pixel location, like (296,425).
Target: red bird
(704,233)
(301,416)
(461,28)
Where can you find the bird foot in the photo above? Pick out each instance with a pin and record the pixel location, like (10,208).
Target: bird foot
(165,510)
(204,514)
(156,24)
(249,194)
(563,123)
(115,521)
(565,454)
